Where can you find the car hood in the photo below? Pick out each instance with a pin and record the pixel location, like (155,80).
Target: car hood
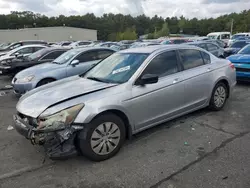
(45,67)
(239,58)
(36,101)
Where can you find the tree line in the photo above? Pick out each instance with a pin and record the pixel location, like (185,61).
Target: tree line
(123,27)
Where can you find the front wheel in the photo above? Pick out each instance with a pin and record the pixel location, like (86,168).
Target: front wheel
(219,97)
(102,138)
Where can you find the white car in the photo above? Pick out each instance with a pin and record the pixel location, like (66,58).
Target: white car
(224,36)
(81,44)
(20,52)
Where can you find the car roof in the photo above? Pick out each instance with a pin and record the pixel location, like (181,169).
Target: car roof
(91,48)
(156,48)
(32,45)
(201,42)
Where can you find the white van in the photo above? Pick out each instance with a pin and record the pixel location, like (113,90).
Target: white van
(224,36)
(236,36)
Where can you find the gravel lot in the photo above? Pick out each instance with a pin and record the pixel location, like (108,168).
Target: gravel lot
(203,149)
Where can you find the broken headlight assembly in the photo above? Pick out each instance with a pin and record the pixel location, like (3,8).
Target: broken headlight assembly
(59,120)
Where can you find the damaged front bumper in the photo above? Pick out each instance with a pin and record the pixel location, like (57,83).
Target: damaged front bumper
(58,143)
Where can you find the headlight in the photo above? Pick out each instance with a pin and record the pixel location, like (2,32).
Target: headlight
(25,79)
(59,120)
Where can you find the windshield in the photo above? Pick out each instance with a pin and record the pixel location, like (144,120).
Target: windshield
(65,57)
(37,54)
(117,68)
(238,45)
(212,36)
(237,36)
(245,50)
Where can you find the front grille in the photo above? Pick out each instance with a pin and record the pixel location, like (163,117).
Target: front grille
(242,69)
(31,121)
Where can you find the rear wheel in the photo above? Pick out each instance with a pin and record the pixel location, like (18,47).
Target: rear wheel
(45,81)
(219,96)
(102,138)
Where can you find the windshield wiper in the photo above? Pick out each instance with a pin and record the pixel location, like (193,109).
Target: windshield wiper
(55,62)
(96,79)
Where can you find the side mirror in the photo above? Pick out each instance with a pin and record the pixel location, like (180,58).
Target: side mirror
(147,79)
(17,54)
(75,62)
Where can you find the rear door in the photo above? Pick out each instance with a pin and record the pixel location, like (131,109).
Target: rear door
(154,103)
(197,76)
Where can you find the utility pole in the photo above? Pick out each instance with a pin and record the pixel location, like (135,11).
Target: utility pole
(232,25)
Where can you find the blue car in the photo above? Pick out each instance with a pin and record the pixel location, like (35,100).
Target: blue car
(70,63)
(241,61)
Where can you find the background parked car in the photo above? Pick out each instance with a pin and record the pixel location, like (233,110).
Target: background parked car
(236,47)
(19,52)
(236,37)
(22,43)
(70,63)
(106,44)
(41,56)
(143,44)
(175,41)
(81,44)
(126,93)
(209,46)
(224,36)
(241,61)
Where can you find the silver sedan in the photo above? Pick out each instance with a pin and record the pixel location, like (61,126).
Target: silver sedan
(128,92)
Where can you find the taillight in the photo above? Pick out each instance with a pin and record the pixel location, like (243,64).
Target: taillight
(232,66)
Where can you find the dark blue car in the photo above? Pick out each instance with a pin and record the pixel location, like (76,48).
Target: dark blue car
(241,61)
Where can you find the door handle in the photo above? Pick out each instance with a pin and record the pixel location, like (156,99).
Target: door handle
(176,80)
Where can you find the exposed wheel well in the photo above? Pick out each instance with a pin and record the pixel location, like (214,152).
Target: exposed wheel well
(224,81)
(49,78)
(124,118)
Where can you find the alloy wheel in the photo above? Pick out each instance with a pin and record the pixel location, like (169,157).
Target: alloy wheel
(220,96)
(105,138)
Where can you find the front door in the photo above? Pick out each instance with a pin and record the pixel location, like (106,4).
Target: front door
(154,103)
(86,61)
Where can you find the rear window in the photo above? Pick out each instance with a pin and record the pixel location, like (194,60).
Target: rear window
(239,44)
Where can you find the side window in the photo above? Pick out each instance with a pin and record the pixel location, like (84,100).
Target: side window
(27,50)
(211,47)
(87,56)
(36,49)
(191,58)
(52,55)
(203,46)
(206,58)
(163,64)
(102,54)
(225,36)
(15,46)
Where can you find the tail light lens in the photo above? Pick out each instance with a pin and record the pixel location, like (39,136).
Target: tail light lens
(232,66)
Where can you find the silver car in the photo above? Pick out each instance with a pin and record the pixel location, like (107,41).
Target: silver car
(70,63)
(128,92)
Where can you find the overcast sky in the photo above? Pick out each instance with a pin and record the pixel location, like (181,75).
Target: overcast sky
(164,8)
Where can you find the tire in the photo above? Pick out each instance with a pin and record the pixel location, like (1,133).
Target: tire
(217,103)
(96,147)
(45,81)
